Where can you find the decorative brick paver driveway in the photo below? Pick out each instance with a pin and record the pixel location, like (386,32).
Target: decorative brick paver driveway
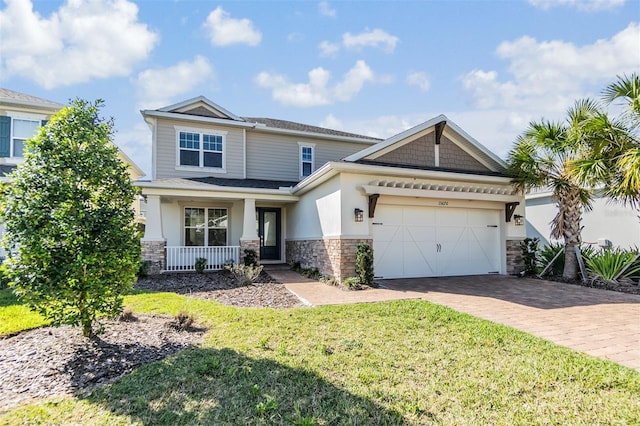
(601,323)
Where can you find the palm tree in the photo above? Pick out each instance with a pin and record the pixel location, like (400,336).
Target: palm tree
(543,157)
(625,160)
(612,159)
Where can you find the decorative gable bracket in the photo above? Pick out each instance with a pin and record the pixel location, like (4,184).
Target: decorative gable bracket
(373,201)
(509,208)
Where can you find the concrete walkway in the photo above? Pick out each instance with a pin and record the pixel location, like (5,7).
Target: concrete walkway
(601,323)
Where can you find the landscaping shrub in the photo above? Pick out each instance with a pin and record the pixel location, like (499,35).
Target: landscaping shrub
(201,263)
(610,263)
(243,274)
(250,257)
(529,247)
(143,268)
(352,283)
(548,253)
(364,263)
(182,321)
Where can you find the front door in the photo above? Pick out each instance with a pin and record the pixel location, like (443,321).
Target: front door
(269,233)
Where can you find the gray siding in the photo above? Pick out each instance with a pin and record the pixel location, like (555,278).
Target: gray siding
(277,157)
(167,151)
(454,157)
(421,152)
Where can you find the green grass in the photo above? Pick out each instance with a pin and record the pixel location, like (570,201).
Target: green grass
(14,316)
(404,362)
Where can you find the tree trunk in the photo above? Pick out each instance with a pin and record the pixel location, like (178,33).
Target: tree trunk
(566,225)
(87,329)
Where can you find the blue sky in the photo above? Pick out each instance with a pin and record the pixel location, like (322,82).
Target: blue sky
(374,68)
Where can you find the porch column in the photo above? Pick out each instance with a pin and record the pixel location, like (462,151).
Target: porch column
(249,239)
(153,243)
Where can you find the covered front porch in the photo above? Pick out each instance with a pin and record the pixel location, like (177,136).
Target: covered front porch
(188,220)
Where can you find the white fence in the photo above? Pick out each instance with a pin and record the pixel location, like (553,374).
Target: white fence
(183,258)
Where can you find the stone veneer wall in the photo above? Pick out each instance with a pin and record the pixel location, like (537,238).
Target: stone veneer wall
(333,257)
(155,252)
(515,263)
(249,245)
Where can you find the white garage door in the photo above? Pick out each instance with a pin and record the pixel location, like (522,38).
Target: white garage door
(413,241)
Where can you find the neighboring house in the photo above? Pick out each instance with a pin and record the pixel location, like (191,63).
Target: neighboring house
(607,224)
(21,116)
(431,200)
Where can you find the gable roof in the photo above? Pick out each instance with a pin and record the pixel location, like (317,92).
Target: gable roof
(204,110)
(180,107)
(471,145)
(12,97)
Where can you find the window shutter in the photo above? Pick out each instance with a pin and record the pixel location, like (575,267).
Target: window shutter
(5,136)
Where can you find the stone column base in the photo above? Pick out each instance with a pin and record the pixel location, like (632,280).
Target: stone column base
(154,252)
(249,245)
(515,262)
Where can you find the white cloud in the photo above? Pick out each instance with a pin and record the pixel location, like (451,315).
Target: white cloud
(325,9)
(224,30)
(376,38)
(328,48)
(81,41)
(548,76)
(157,87)
(419,79)
(317,91)
(586,5)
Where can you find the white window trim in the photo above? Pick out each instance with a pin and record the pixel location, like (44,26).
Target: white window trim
(206,220)
(201,167)
(17,115)
(313,157)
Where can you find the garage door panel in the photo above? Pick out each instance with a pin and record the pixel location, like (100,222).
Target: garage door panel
(418,216)
(419,260)
(431,241)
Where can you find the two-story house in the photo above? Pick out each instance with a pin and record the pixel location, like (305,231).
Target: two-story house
(431,200)
(21,115)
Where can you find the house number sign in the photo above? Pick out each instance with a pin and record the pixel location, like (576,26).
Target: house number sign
(443,203)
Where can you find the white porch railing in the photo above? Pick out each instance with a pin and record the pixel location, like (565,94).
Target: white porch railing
(183,258)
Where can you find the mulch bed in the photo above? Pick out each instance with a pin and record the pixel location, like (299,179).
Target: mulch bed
(221,287)
(52,361)
(629,286)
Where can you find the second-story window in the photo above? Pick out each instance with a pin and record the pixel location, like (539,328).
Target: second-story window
(22,130)
(200,149)
(306,160)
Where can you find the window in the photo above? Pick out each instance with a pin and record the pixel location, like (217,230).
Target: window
(205,226)
(199,149)
(306,160)
(22,130)
(14,131)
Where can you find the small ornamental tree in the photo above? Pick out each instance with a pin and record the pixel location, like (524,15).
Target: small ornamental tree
(71,241)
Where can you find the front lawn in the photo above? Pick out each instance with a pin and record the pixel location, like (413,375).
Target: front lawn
(404,362)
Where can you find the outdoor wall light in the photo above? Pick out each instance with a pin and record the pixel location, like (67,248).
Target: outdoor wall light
(518,219)
(358,214)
